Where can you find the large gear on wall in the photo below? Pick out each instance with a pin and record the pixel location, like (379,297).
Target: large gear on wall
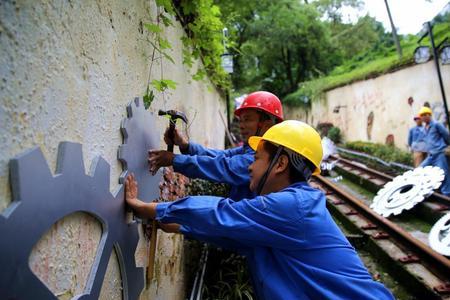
(407,190)
(439,237)
(41,199)
(140,134)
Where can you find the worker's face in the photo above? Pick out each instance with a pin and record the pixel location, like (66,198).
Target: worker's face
(258,167)
(426,118)
(250,121)
(418,121)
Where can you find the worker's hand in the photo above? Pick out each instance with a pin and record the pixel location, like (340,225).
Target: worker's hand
(158,159)
(169,227)
(131,192)
(179,139)
(140,208)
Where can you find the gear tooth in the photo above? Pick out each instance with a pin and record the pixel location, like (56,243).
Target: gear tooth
(139,102)
(123,176)
(130,110)
(132,106)
(21,175)
(100,170)
(70,159)
(122,154)
(123,129)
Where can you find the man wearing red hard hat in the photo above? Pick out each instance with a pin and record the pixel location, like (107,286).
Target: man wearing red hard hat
(258,112)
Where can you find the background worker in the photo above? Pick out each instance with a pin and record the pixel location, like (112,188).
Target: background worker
(436,138)
(293,247)
(416,141)
(258,112)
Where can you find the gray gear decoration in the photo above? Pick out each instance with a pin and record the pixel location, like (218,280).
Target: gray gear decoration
(41,199)
(439,237)
(407,190)
(140,135)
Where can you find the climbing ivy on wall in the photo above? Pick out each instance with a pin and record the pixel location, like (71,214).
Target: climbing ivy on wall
(201,22)
(204,40)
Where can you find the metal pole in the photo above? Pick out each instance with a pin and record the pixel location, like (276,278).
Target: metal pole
(227,96)
(394,31)
(438,69)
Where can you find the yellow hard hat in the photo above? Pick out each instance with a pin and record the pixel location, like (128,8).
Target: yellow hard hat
(425,110)
(296,136)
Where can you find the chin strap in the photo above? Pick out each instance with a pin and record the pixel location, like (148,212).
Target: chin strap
(263,179)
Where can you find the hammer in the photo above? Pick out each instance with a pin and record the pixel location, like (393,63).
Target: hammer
(173,116)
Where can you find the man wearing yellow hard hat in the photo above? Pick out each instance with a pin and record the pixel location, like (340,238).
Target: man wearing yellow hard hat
(437,139)
(292,245)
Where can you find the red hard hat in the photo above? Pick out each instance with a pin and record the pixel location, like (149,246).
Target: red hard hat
(264,101)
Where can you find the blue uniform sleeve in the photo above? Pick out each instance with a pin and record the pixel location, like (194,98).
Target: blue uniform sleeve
(248,221)
(443,132)
(196,149)
(410,137)
(231,170)
(220,242)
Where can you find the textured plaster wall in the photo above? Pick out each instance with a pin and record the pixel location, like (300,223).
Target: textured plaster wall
(387,97)
(67,71)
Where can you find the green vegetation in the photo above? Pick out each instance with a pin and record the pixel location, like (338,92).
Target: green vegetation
(203,26)
(277,44)
(335,135)
(366,65)
(227,277)
(384,152)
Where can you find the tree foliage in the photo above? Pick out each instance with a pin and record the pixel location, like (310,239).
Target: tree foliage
(279,44)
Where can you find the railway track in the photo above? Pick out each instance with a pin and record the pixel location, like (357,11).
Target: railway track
(432,209)
(421,270)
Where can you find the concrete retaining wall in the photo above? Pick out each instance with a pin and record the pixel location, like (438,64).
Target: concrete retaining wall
(386,98)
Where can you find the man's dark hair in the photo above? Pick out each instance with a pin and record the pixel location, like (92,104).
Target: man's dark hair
(264,116)
(294,174)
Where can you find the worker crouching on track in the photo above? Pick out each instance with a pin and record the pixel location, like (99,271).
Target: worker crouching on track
(416,142)
(292,245)
(437,139)
(258,112)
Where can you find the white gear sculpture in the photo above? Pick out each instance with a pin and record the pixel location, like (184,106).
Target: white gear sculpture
(405,191)
(439,236)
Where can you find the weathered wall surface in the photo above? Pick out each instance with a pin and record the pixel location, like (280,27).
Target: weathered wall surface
(67,71)
(386,97)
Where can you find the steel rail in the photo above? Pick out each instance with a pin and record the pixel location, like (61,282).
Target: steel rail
(436,261)
(438,197)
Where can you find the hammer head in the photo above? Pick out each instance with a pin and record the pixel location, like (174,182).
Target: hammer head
(173,114)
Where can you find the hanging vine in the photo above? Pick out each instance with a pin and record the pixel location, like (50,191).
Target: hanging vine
(161,46)
(201,22)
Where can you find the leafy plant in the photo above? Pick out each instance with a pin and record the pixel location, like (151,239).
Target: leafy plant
(161,45)
(385,152)
(380,59)
(227,277)
(201,22)
(205,187)
(335,135)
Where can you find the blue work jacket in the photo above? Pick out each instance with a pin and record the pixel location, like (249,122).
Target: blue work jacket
(416,139)
(223,166)
(436,137)
(293,247)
